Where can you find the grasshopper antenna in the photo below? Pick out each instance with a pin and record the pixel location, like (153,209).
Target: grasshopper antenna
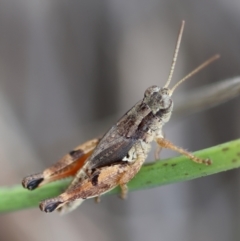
(175,54)
(203,65)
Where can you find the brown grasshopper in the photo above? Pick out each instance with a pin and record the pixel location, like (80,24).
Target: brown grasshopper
(99,165)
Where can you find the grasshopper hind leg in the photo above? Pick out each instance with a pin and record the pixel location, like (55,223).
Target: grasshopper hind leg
(50,205)
(109,177)
(33,181)
(70,206)
(65,167)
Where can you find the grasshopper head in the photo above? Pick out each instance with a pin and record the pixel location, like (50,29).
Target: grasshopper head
(159,101)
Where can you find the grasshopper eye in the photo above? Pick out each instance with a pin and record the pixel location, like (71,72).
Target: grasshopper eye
(149,91)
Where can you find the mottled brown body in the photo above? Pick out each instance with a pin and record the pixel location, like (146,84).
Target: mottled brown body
(100,165)
(107,178)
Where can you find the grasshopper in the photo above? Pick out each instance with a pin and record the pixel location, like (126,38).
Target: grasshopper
(100,165)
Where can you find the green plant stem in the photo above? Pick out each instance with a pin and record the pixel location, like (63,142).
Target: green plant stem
(224,157)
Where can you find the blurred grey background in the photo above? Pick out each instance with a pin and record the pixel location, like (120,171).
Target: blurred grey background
(68,68)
